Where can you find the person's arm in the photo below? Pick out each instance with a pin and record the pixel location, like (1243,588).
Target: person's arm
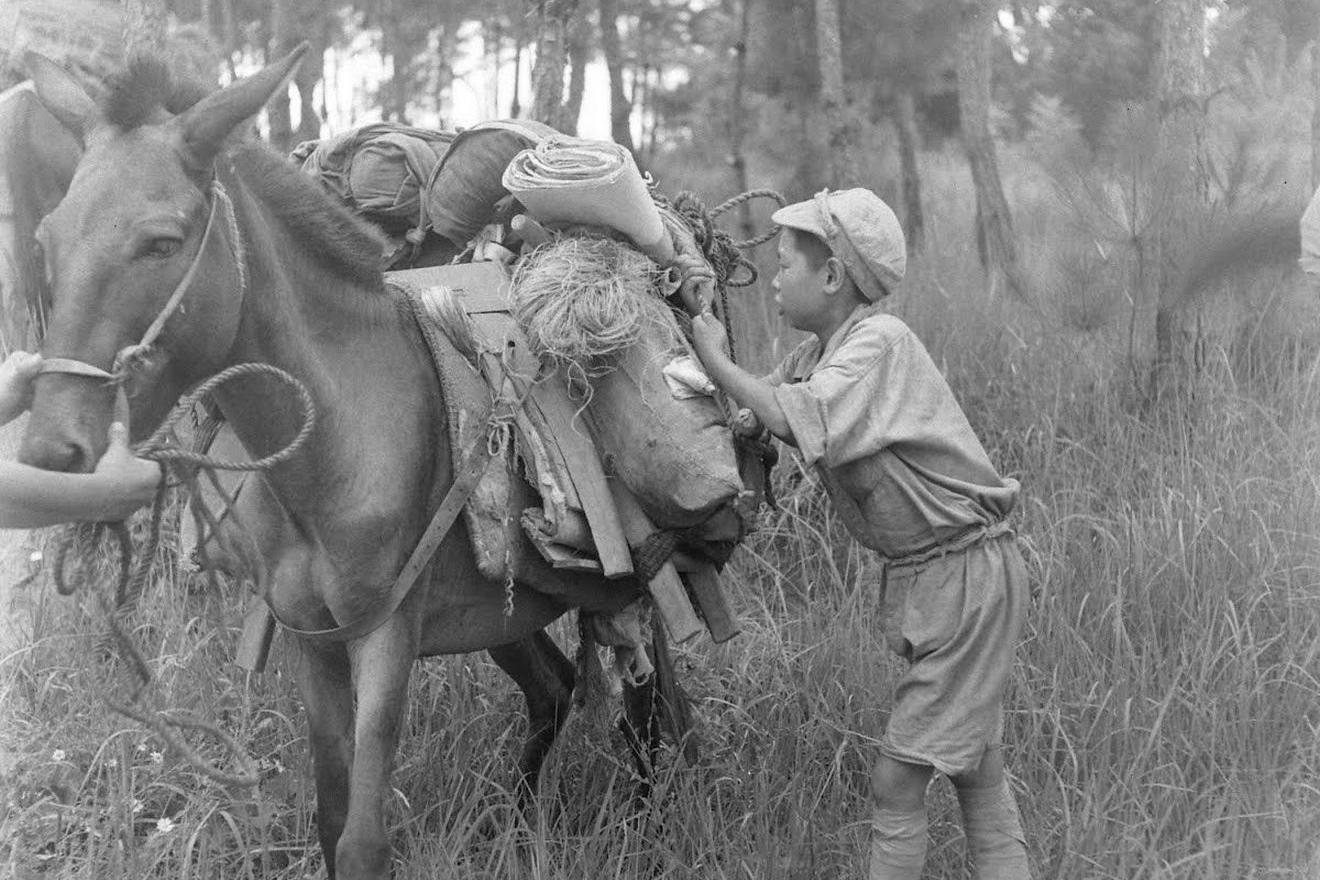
(31,497)
(757,395)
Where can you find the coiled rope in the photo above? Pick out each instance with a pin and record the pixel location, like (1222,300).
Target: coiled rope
(80,540)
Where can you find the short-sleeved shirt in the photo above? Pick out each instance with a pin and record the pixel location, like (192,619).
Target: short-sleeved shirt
(872,412)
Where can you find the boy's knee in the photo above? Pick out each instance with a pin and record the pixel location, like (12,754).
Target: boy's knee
(898,785)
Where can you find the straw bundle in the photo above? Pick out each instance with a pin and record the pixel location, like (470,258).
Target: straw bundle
(582,299)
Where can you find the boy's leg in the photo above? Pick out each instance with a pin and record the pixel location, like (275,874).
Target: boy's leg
(996,846)
(898,828)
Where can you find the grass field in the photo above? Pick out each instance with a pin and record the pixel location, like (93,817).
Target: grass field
(1163,720)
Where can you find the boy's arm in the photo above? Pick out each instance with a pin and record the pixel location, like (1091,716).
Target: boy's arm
(757,395)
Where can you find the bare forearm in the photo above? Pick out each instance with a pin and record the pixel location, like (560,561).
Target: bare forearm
(751,392)
(31,497)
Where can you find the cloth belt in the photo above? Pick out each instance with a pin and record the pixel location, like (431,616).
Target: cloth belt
(956,544)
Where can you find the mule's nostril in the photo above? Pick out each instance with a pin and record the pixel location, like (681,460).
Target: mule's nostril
(63,456)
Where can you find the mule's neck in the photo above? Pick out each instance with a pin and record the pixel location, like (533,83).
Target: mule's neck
(361,357)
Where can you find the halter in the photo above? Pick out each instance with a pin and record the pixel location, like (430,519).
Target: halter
(128,359)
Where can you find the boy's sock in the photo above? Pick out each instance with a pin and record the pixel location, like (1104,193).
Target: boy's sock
(996,846)
(898,844)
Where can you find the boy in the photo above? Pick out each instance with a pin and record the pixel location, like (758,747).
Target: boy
(866,405)
(31,497)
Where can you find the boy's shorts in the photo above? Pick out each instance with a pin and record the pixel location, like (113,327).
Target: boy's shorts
(957,620)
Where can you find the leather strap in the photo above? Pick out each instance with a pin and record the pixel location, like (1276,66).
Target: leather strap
(74,367)
(469,474)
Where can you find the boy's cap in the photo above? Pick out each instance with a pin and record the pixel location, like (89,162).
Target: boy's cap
(861,230)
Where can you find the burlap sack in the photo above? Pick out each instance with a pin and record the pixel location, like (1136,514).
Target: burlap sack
(676,455)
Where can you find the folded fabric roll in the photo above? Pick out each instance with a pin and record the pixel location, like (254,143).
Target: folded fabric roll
(576,180)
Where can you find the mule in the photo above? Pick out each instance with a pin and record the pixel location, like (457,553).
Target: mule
(266,268)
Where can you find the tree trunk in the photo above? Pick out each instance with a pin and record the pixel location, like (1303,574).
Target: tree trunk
(1181,76)
(515,105)
(738,121)
(905,123)
(229,27)
(283,21)
(553,17)
(620,106)
(1315,111)
(144,25)
(579,52)
(994,222)
(840,125)
(311,70)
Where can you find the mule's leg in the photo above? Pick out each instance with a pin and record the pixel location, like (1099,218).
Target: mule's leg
(546,678)
(382,662)
(325,681)
(660,701)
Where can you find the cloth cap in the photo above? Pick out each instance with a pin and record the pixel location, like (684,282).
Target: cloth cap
(860,229)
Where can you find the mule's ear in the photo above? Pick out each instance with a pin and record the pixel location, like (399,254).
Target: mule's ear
(62,95)
(207,123)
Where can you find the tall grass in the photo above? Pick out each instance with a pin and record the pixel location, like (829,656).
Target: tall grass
(1162,717)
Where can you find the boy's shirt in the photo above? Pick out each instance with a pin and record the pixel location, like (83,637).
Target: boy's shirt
(899,459)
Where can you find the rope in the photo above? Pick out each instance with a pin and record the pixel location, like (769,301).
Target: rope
(742,198)
(652,553)
(162,447)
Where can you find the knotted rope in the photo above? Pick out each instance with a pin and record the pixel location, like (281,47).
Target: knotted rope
(163,447)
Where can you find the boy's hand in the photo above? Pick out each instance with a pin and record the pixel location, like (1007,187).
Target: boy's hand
(16,375)
(697,289)
(709,338)
(131,481)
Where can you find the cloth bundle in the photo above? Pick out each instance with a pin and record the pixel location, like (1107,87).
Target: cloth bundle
(576,180)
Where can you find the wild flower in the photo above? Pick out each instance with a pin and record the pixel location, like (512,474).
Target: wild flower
(157,757)
(57,755)
(164,825)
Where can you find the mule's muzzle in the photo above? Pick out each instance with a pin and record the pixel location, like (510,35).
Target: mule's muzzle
(54,453)
(67,430)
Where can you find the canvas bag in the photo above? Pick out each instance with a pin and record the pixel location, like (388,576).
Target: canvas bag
(379,171)
(464,188)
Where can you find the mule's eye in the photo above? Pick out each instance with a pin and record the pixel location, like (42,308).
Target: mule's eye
(160,248)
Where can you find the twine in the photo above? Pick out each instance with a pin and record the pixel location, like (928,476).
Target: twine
(162,447)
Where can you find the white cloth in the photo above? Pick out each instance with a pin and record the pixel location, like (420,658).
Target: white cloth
(1310,259)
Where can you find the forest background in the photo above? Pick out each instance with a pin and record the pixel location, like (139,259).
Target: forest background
(1101,200)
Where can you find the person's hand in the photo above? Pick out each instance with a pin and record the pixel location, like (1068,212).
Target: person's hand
(709,338)
(697,288)
(130,481)
(16,375)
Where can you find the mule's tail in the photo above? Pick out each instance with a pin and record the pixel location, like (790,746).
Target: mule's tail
(1256,243)
(675,708)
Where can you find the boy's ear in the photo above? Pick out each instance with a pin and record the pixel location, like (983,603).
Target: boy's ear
(836,276)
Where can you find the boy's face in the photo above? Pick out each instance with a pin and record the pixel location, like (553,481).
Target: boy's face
(799,287)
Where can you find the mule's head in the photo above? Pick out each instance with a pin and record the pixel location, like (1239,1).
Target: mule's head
(133,223)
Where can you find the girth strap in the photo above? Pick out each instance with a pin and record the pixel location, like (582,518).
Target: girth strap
(468,475)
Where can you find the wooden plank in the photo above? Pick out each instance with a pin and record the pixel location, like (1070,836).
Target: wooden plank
(666,588)
(703,583)
(598,502)
(258,632)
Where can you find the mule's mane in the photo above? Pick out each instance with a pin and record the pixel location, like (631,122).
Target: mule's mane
(136,95)
(325,226)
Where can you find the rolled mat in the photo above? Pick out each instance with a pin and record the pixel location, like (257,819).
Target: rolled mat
(576,180)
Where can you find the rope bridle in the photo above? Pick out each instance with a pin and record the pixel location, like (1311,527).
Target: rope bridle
(159,448)
(131,357)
